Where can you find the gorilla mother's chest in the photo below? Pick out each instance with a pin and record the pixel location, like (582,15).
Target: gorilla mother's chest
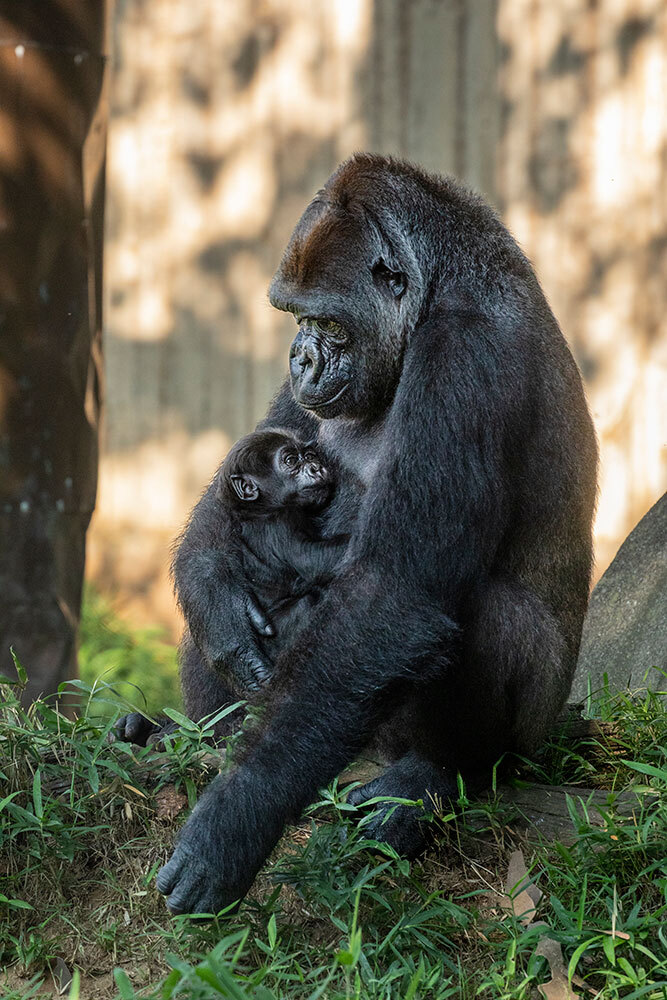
(354,446)
(355,450)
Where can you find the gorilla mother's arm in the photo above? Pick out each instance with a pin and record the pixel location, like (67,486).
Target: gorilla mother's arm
(430,524)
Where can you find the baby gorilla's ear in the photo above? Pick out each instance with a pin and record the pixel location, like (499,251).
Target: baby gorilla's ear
(245,487)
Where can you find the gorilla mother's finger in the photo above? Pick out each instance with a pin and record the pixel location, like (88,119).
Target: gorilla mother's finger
(133,728)
(257,617)
(167,877)
(260,675)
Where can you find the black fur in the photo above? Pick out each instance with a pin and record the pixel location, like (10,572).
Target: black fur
(277,514)
(277,548)
(439,378)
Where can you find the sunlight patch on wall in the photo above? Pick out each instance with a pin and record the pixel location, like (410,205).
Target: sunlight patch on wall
(152,487)
(582,168)
(226,117)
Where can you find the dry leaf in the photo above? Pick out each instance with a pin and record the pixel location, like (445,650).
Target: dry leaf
(520,899)
(552,951)
(558,988)
(169,802)
(137,791)
(61,975)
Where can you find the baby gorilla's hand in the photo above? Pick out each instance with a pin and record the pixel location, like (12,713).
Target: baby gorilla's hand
(250,673)
(230,643)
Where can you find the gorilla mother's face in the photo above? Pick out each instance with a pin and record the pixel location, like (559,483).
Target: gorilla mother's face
(346,357)
(321,365)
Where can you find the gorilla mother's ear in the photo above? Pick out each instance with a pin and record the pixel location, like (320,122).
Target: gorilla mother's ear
(395,282)
(245,487)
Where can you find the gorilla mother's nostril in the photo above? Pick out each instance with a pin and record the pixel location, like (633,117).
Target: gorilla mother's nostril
(302,356)
(306,361)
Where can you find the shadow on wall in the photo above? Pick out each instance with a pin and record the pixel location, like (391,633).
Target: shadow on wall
(226,118)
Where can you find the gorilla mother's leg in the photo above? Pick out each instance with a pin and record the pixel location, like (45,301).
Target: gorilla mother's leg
(502,695)
(204,691)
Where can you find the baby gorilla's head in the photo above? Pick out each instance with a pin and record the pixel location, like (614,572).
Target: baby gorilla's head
(272,470)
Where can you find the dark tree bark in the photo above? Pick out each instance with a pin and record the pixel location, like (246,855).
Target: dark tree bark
(52,154)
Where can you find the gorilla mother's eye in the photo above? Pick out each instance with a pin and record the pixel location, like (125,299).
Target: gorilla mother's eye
(332,329)
(395,282)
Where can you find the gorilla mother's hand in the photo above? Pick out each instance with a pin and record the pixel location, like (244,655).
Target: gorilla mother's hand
(229,642)
(221,847)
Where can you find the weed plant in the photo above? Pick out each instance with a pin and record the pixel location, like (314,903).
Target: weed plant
(138,663)
(84,825)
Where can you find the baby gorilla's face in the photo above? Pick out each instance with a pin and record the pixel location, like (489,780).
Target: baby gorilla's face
(273,470)
(304,479)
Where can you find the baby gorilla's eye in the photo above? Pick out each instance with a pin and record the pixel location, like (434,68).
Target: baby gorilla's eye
(289,460)
(310,456)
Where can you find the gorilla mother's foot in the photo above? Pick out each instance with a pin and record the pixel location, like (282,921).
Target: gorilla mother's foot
(136,728)
(403,827)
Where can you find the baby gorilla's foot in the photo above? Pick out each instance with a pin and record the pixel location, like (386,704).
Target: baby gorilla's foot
(403,827)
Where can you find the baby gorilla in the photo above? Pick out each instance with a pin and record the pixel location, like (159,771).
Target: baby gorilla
(275,489)
(273,492)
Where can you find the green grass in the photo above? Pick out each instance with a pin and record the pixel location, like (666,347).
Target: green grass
(139,664)
(83,830)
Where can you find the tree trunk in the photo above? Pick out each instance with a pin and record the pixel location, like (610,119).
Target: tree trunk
(53,111)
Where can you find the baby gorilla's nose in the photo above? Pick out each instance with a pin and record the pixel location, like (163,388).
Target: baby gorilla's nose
(315,470)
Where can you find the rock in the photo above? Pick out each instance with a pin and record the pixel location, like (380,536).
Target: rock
(625,630)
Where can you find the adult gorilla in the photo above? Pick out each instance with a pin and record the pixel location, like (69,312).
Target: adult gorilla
(428,361)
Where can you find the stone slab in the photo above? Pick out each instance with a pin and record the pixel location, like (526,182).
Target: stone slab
(625,630)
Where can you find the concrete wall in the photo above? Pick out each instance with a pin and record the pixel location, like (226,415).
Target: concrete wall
(227,117)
